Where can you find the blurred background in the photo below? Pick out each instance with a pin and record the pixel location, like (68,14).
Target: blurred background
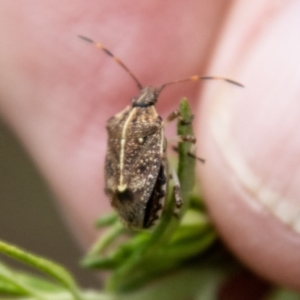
(29,216)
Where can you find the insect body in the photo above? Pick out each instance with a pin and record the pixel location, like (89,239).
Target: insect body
(136,166)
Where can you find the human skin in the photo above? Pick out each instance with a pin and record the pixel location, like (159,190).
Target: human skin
(57,92)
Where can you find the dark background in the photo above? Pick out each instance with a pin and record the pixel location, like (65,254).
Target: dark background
(29,217)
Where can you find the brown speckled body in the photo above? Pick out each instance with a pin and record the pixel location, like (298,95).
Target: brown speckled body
(136,165)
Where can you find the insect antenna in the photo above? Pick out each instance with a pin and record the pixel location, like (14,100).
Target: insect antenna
(100,46)
(196,78)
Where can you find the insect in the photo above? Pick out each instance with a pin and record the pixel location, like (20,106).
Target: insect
(136,165)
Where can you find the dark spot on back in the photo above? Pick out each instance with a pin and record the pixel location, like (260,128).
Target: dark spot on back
(126,195)
(143,168)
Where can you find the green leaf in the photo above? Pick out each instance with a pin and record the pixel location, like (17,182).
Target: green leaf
(107,220)
(11,283)
(188,283)
(48,267)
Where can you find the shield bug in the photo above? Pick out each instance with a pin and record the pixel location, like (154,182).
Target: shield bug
(136,166)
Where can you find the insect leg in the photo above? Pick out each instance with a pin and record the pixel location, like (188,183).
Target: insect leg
(187,138)
(177,192)
(191,153)
(183,138)
(176,114)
